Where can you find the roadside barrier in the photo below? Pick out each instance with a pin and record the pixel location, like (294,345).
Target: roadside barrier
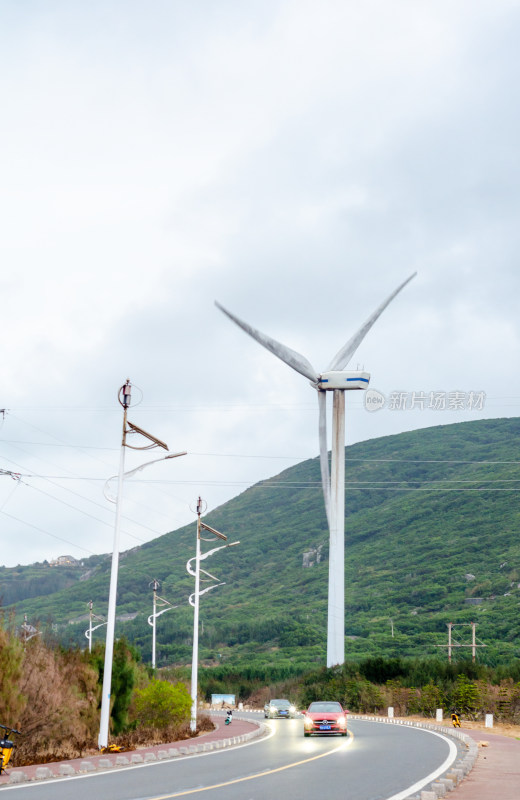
(105,762)
(438,788)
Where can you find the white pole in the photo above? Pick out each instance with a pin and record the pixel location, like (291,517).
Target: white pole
(90,629)
(195,657)
(109,648)
(336,609)
(153,626)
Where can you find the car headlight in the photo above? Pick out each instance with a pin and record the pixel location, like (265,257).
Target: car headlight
(342,722)
(292,709)
(307,722)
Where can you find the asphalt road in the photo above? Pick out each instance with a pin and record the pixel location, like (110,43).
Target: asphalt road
(376,762)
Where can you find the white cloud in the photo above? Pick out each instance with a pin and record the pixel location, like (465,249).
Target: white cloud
(295,160)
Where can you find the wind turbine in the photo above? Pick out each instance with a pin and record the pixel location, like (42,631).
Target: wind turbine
(337,380)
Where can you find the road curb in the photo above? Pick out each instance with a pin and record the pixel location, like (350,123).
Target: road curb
(107,761)
(454,774)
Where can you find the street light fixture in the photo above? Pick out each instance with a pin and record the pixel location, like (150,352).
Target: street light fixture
(28,631)
(194,598)
(124,397)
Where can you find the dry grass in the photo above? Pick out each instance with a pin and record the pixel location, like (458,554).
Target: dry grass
(60,716)
(147,737)
(499,728)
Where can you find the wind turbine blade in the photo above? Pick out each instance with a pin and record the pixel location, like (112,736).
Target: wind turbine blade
(342,358)
(324,454)
(293,359)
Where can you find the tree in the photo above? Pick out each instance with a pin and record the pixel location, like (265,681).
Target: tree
(12,701)
(465,696)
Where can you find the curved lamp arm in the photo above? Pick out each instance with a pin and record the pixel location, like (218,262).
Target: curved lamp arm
(205,555)
(158,614)
(191,601)
(87,633)
(111,498)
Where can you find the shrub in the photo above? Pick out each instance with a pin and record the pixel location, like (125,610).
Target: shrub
(431,698)
(371,698)
(404,699)
(161,704)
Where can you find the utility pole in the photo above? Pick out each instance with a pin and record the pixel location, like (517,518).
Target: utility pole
(475,642)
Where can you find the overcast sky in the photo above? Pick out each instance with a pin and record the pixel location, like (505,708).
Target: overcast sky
(295,161)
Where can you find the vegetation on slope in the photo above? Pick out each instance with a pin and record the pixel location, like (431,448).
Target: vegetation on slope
(52,696)
(431,537)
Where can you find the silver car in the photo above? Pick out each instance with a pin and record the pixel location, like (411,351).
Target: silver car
(280,709)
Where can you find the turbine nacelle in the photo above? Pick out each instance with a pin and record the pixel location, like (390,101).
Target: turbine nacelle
(343,379)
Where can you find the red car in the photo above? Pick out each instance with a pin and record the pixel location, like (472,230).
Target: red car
(325,716)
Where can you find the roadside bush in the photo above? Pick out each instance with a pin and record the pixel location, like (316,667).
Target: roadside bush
(161,705)
(404,699)
(431,698)
(371,698)
(514,697)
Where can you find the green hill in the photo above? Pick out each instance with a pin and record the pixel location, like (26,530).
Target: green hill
(432,520)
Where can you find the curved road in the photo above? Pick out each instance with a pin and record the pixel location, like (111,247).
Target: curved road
(376,762)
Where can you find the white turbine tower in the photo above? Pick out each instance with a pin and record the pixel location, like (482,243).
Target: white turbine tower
(336,380)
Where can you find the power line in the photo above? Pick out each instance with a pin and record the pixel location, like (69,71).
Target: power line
(80,447)
(47,533)
(50,480)
(86,514)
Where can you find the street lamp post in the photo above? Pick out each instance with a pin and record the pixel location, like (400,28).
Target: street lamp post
(91,629)
(153,616)
(124,396)
(194,600)
(155,585)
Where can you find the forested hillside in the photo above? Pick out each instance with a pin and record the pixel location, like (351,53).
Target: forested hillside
(432,521)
